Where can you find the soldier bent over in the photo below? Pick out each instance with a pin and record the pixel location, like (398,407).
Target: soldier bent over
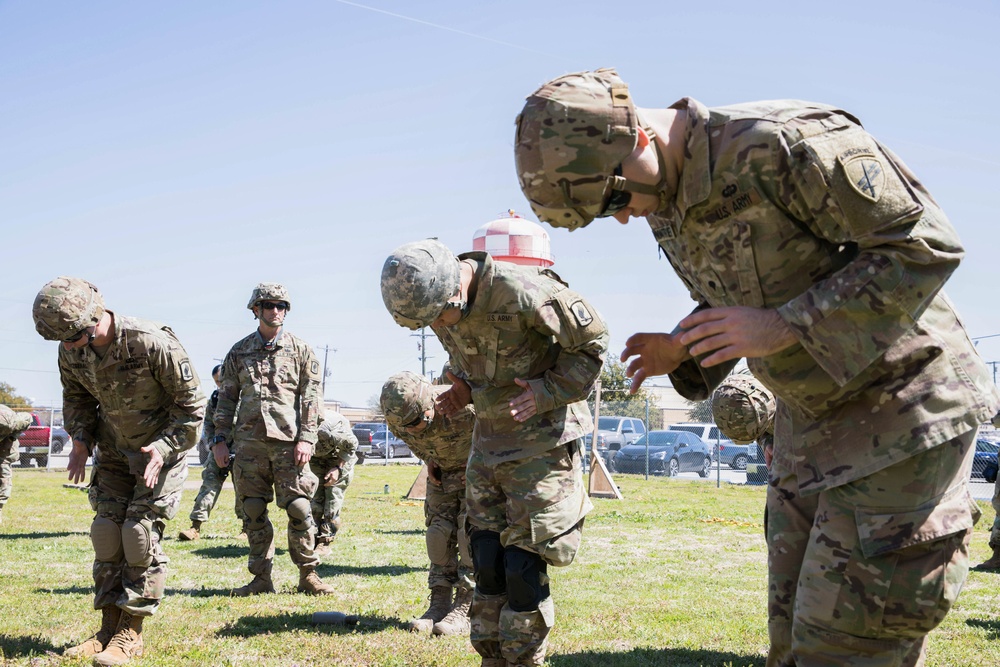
(333,462)
(273,377)
(129,387)
(11,425)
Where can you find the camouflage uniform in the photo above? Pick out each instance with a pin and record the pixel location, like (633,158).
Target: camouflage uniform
(336,447)
(993,562)
(11,425)
(525,492)
(143,391)
(276,387)
(792,206)
(212,476)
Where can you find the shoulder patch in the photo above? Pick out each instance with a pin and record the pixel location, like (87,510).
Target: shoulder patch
(864,171)
(186,373)
(314,368)
(581,313)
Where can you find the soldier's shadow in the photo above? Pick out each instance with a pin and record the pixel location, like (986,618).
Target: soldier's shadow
(668,657)
(201,592)
(222,551)
(37,536)
(991,627)
(71,590)
(415,531)
(23,647)
(252,626)
(331,570)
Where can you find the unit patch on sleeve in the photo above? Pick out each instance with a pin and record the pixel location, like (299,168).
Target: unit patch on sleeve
(864,172)
(186,373)
(581,313)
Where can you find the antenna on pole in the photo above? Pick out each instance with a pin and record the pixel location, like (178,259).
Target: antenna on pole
(422,346)
(326,373)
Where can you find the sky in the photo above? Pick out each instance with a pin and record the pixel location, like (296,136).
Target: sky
(176,154)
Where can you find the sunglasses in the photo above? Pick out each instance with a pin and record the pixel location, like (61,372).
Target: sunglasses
(271,305)
(79,334)
(617,200)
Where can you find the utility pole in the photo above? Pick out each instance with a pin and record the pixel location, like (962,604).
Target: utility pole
(422,346)
(326,353)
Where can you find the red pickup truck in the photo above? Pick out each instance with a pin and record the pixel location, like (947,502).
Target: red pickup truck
(34,442)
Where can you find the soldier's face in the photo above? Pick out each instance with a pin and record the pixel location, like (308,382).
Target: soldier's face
(270,314)
(643,167)
(83,340)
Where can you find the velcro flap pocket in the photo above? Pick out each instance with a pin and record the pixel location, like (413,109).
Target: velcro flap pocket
(883,531)
(556,519)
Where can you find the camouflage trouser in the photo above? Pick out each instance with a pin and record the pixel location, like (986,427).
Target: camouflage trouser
(995,531)
(212,479)
(263,468)
(447,541)
(537,505)
(859,574)
(328,500)
(118,492)
(8,457)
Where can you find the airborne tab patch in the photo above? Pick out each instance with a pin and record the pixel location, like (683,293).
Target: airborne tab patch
(864,172)
(186,373)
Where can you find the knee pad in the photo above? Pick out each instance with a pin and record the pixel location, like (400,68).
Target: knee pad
(106,536)
(441,540)
(255,510)
(137,541)
(300,513)
(487,560)
(526,572)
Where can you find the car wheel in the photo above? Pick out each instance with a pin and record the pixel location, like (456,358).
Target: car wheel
(58,444)
(706,467)
(392,451)
(740,462)
(361,456)
(42,460)
(673,467)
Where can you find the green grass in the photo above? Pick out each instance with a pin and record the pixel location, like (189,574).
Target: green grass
(675,574)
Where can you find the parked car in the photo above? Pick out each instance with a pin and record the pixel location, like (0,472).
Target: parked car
(363,432)
(613,433)
(670,453)
(984,461)
(34,442)
(383,438)
(735,456)
(708,432)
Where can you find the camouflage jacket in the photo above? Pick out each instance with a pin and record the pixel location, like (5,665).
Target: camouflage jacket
(277,391)
(793,206)
(336,443)
(446,440)
(526,323)
(144,390)
(12,423)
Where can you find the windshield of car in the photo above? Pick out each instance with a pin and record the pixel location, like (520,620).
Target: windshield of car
(608,423)
(658,438)
(987,446)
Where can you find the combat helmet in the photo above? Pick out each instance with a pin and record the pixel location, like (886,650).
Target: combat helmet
(405,398)
(743,409)
(66,306)
(572,135)
(418,280)
(269,292)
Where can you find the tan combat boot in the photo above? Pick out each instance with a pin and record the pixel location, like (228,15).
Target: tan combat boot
(260,584)
(310,583)
(192,533)
(440,605)
(457,620)
(125,645)
(993,562)
(109,623)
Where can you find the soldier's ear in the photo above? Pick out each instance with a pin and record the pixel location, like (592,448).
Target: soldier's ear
(643,139)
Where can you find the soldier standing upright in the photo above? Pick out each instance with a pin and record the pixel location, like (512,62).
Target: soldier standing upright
(333,462)
(814,252)
(129,387)
(212,476)
(11,425)
(273,377)
(527,350)
(443,443)
(993,562)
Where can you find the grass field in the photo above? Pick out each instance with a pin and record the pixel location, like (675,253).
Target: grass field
(674,574)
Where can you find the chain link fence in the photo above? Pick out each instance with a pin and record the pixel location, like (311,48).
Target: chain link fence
(44,438)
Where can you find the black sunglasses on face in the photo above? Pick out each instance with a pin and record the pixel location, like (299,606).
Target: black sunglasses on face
(617,199)
(271,305)
(79,334)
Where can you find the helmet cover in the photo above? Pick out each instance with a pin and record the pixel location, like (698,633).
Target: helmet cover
(66,306)
(418,280)
(743,409)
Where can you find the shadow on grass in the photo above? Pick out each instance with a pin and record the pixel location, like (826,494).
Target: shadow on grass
(332,570)
(222,551)
(37,536)
(992,627)
(674,657)
(415,531)
(21,647)
(200,592)
(251,626)
(71,590)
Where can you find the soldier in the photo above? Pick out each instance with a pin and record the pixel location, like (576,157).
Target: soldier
(212,476)
(333,462)
(993,562)
(812,251)
(743,409)
(527,350)
(443,443)
(274,378)
(11,425)
(129,386)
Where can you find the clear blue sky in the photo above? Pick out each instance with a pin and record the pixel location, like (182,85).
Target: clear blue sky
(175,154)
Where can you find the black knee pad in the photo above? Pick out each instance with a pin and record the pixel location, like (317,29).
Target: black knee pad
(487,561)
(524,570)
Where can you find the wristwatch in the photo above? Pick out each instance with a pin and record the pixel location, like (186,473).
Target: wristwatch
(217,439)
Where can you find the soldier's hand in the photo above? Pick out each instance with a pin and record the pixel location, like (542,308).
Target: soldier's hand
(433,473)
(152,472)
(523,407)
(656,354)
(332,477)
(457,397)
(735,332)
(221,454)
(303,452)
(77,466)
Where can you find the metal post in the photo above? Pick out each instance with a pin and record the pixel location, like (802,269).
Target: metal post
(647,438)
(52,419)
